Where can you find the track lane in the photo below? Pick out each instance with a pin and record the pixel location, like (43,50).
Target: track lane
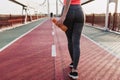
(29,58)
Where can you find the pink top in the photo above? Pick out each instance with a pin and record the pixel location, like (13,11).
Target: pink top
(73,2)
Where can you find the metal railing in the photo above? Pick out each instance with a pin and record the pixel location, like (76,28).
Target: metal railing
(99,21)
(10,20)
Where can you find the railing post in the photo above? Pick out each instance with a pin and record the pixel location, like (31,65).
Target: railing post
(114,21)
(93,18)
(10,18)
(109,20)
(106,16)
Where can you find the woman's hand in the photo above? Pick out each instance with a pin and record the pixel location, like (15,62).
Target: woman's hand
(61,20)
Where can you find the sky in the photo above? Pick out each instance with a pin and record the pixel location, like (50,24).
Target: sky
(8,7)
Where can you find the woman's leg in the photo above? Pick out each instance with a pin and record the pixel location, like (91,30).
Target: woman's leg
(77,29)
(70,45)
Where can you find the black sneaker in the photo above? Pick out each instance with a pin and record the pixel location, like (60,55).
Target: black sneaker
(71,65)
(73,75)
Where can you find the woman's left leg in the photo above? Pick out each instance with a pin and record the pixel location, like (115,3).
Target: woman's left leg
(77,30)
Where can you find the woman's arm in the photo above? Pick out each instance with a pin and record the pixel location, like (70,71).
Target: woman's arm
(66,8)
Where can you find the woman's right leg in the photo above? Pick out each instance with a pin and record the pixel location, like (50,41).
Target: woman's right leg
(70,45)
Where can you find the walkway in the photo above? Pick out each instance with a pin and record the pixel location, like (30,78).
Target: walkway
(30,58)
(108,40)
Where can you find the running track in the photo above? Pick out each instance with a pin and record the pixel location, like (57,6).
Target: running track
(29,58)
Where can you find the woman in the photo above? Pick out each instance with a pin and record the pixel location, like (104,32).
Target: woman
(73,17)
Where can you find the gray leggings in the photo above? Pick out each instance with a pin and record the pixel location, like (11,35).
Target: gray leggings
(74,21)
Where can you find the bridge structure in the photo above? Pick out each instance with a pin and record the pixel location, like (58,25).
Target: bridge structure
(38,50)
(46,5)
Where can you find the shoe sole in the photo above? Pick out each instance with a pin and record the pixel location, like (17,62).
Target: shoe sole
(73,77)
(71,66)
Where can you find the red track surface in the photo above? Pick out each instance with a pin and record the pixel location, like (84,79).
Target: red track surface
(29,58)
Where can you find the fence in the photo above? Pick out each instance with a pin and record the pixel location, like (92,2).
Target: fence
(10,20)
(99,20)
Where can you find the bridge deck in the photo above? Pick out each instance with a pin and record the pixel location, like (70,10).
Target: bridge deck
(30,58)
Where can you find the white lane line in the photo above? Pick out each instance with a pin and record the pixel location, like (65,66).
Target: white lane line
(20,37)
(53,25)
(53,50)
(53,33)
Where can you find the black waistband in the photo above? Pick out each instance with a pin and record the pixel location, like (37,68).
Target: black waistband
(75,6)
